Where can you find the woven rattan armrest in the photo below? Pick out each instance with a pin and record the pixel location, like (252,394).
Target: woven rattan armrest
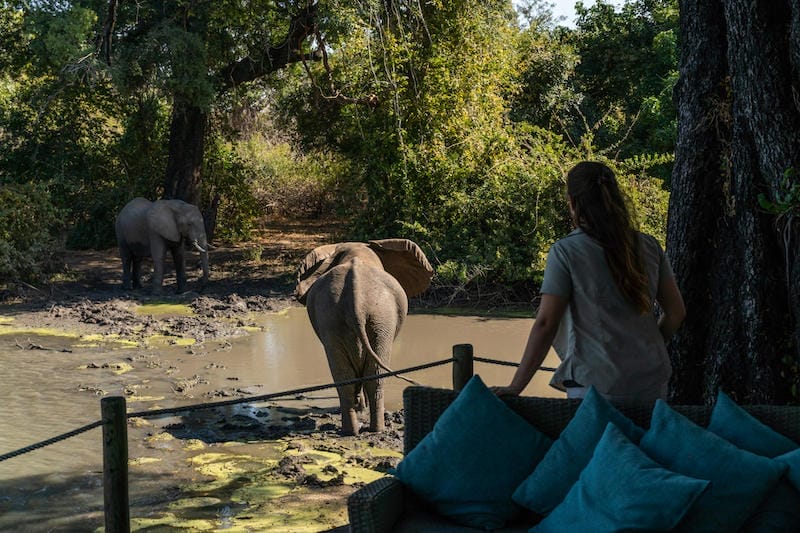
(377,506)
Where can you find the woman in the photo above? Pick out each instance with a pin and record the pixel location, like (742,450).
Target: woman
(596,310)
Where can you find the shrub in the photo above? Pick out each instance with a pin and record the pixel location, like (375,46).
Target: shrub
(29,230)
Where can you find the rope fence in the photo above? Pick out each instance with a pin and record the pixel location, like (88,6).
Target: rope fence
(114,423)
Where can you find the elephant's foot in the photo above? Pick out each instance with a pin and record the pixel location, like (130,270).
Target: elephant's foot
(377,422)
(349,422)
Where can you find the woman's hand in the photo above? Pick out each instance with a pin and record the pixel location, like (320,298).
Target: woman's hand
(504,391)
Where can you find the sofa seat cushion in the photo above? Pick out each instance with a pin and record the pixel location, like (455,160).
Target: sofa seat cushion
(420,520)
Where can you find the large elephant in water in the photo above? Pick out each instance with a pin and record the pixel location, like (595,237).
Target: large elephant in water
(150,229)
(356,295)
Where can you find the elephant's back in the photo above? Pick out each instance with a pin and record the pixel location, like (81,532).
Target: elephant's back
(131,223)
(358,288)
(137,205)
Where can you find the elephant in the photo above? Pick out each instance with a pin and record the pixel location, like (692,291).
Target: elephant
(356,295)
(149,229)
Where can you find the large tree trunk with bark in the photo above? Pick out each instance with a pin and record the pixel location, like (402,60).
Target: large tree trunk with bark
(186,148)
(738,133)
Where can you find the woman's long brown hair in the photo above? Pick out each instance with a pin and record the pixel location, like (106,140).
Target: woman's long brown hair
(601,212)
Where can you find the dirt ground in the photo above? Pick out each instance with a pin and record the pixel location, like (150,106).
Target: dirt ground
(259,276)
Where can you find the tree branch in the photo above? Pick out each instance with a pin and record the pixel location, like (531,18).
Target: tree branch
(104,40)
(275,57)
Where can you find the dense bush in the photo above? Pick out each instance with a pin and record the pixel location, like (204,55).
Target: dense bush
(30,227)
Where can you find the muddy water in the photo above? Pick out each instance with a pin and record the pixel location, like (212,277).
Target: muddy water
(288,355)
(44,393)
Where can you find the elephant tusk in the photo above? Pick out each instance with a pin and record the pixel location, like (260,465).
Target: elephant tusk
(199,248)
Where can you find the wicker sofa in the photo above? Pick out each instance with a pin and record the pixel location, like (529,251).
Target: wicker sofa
(386,505)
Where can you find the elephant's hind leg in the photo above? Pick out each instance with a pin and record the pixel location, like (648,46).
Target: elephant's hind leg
(342,371)
(137,272)
(127,261)
(374,393)
(347,403)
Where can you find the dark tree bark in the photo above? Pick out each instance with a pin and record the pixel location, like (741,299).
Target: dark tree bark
(738,132)
(186,148)
(183,175)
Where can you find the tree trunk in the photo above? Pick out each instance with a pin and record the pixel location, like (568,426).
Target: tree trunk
(183,175)
(186,146)
(737,135)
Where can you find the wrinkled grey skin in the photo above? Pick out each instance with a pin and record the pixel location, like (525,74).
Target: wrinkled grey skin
(357,307)
(150,229)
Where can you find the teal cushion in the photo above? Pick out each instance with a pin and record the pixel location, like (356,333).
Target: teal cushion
(477,453)
(550,482)
(739,479)
(621,489)
(792,460)
(780,510)
(743,430)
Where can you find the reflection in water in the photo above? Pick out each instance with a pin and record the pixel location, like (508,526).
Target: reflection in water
(46,393)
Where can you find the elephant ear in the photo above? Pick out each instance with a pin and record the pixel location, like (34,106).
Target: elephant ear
(406,261)
(161,219)
(315,264)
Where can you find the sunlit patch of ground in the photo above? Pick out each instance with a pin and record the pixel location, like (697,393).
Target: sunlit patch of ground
(38,332)
(116,367)
(161,309)
(169,340)
(77,340)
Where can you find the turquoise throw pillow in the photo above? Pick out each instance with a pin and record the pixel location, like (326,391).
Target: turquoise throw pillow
(477,453)
(780,510)
(743,430)
(621,489)
(739,479)
(792,460)
(550,482)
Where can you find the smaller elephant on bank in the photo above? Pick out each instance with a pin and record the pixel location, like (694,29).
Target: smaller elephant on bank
(150,229)
(356,295)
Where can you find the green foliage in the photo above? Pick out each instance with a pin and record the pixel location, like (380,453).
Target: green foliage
(62,34)
(438,160)
(787,197)
(649,199)
(13,39)
(546,71)
(29,233)
(259,178)
(626,73)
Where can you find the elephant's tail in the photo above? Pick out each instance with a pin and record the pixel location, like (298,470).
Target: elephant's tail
(362,332)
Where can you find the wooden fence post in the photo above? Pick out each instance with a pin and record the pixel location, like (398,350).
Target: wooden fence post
(115,464)
(462,365)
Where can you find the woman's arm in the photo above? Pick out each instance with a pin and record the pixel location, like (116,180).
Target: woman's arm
(671,301)
(545,326)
